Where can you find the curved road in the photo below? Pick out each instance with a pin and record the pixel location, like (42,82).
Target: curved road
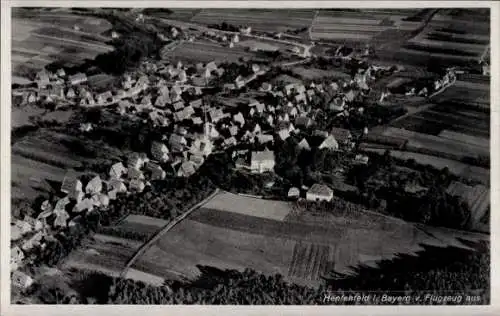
(162,231)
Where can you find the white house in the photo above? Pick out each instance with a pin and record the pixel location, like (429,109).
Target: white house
(159,151)
(330,143)
(319,192)
(77,79)
(262,161)
(117,170)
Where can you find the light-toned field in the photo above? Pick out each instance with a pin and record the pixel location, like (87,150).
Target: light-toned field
(45,37)
(230,202)
(466,171)
(303,248)
(259,19)
(205,52)
(260,45)
(356,26)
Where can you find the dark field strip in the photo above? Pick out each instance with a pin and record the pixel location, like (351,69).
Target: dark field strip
(454,38)
(268,227)
(439,50)
(434,127)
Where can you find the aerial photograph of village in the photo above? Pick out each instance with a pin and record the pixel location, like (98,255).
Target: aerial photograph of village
(254,156)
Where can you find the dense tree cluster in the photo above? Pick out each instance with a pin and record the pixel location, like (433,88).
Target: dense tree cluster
(381,180)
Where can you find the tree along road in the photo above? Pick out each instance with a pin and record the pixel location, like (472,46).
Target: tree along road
(164,230)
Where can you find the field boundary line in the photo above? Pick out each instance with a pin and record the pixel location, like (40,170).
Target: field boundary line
(164,230)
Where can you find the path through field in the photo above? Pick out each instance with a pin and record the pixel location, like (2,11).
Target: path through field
(164,230)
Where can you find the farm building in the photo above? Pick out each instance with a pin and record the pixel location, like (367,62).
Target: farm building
(15,232)
(215,115)
(283,134)
(238,118)
(77,79)
(319,192)
(117,185)
(32,242)
(159,151)
(155,171)
(23,227)
(266,86)
(137,185)
(186,169)
(16,258)
(61,218)
(178,106)
(342,135)
(177,142)
(303,121)
(196,103)
(329,143)
(42,78)
(84,205)
(229,142)
(71,184)
(262,161)
(117,170)
(21,280)
(136,160)
(293,193)
(303,145)
(100,200)
(94,186)
(134,173)
(35,224)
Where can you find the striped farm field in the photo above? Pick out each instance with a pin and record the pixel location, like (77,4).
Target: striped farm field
(301,248)
(206,52)
(420,141)
(55,36)
(344,25)
(259,19)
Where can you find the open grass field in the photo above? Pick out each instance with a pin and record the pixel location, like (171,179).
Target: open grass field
(206,52)
(303,248)
(22,116)
(102,253)
(45,37)
(46,155)
(262,20)
(229,202)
